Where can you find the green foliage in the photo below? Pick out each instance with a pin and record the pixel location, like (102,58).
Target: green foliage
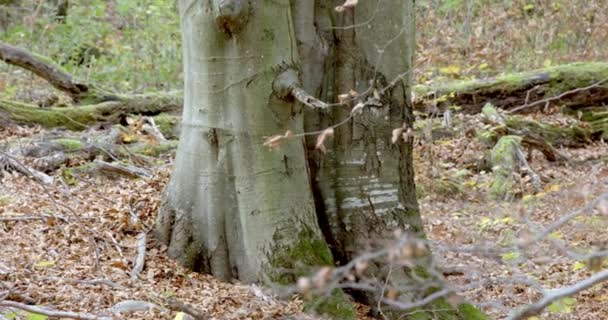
(562,306)
(124,45)
(4,200)
(35,316)
(70,144)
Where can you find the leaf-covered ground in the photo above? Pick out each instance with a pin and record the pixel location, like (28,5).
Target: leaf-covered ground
(476,238)
(46,260)
(72,233)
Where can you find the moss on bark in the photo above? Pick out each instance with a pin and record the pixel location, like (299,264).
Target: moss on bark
(307,251)
(511,90)
(504,163)
(78,118)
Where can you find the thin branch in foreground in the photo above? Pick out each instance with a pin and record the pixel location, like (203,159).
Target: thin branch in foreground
(50,312)
(419,303)
(557,294)
(550,99)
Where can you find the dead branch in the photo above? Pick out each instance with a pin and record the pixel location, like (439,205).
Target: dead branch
(152,129)
(141,256)
(177,305)
(557,97)
(10,163)
(102,281)
(134,306)
(50,312)
(44,68)
(419,303)
(553,295)
(307,100)
(25,218)
(116,168)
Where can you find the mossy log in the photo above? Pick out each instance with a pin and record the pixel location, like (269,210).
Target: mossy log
(80,117)
(507,158)
(596,119)
(593,125)
(573,85)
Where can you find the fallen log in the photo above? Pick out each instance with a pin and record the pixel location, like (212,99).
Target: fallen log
(80,117)
(573,85)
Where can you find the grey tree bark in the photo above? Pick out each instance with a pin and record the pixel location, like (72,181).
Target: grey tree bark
(234,208)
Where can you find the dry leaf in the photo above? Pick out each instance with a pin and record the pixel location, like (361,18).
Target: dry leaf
(304,284)
(343,97)
(392,294)
(396,134)
(273,142)
(321,139)
(347,4)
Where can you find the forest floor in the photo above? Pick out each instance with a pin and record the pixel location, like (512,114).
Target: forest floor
(76,242)
(49,260)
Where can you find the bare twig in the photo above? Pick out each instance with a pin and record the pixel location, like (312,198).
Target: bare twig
(553,295)
(563,94)
(565,219)
(419,303)
(50,312)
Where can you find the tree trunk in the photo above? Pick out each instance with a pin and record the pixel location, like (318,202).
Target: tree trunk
(233,208)
(237,210)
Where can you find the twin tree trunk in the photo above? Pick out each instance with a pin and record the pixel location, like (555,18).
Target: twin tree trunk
(236,209)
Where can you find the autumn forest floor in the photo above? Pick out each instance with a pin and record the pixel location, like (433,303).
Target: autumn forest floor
(45,258)
(75,242)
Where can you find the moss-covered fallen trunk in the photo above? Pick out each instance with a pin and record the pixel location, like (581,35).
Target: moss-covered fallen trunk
(586,82)
(80,117)
(596,119)
(543,136)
